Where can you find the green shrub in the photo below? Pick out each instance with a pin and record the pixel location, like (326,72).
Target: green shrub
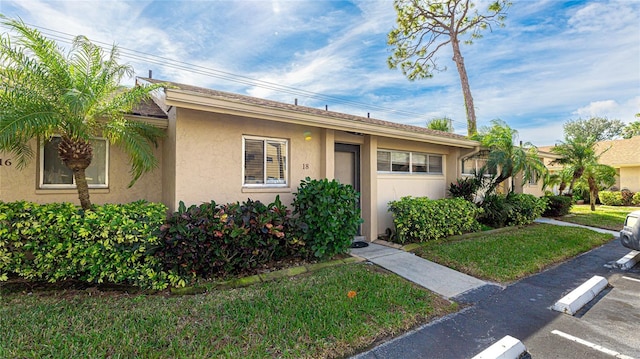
(636,199)
(421,219)
(525,208)
(211,240)
(328,216)
(465,188)
(511,210)
(558,206)
(611,198)
(58,241)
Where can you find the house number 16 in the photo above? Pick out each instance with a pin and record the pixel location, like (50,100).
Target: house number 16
(5,162)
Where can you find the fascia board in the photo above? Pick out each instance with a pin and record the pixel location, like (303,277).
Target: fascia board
(161,123)
(187,100)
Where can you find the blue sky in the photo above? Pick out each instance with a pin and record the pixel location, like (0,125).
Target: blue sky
(554,61)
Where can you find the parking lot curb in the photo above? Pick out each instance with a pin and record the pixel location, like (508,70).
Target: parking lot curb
(628,261)
(505,348)
(577,298)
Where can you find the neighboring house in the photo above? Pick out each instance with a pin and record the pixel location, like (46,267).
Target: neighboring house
(624,156)
(228,147)
(535,186)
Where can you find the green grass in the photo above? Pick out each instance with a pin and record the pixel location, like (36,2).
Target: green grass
(607,217)
(509,255)
(305,316)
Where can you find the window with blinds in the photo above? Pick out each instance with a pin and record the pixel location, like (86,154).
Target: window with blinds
(409,162)
(54,174)
(265,161)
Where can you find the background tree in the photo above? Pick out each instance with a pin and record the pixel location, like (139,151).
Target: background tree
(45,92)
(579,156)
(444,124)
(506,159)
(560,179)
(598,176)
(632,129)
(426,26)
(598,128)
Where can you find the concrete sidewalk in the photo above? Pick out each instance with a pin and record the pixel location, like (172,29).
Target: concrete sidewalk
(435,277)
(569,224)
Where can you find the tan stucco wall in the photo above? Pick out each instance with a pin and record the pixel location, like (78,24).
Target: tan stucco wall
(392,186)
(16,184)
(630,178)
(208,157)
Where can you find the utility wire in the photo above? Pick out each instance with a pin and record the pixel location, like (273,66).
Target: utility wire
(227,76)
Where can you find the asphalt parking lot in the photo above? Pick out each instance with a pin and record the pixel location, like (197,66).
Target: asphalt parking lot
(608,328)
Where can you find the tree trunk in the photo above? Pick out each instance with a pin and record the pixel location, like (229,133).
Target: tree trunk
(83,188)
(472,128)
(593,192)
(77,155)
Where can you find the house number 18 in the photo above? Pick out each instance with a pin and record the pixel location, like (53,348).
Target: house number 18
(5,162)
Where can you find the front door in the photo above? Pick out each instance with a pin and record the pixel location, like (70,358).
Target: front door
(347,166)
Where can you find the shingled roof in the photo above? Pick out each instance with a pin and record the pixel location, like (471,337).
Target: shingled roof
(148,108)
(301,109)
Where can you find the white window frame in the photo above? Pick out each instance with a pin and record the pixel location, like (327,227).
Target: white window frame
(265,160)
(476,168)
(43,185)
(411,154)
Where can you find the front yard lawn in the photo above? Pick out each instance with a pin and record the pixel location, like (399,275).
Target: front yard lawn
(509,255)
(307,316)
(607,217)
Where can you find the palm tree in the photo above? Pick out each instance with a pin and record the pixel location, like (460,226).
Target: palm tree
(580,158)
(560,179)
(598,176)
(444,124)
(77,96)
(577,153)
(507,159)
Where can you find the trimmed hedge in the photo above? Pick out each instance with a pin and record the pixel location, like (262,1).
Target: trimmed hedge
(59,241)
(558,206)
(611,198)
(514,209)
(422,219)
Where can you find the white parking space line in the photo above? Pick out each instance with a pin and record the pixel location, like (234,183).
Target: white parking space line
(597,347)
(633,279)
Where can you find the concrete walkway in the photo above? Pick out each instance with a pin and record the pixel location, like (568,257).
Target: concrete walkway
(435,277)
(569,224)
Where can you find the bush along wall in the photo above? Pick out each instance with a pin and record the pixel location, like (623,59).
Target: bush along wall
(619,198)
(514,209)
(328,216)
(213,240)
(59,241)
(419,219)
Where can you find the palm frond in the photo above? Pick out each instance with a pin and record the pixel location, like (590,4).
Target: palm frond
(138,140)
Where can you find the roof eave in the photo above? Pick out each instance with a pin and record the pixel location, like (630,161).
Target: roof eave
(191,100)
